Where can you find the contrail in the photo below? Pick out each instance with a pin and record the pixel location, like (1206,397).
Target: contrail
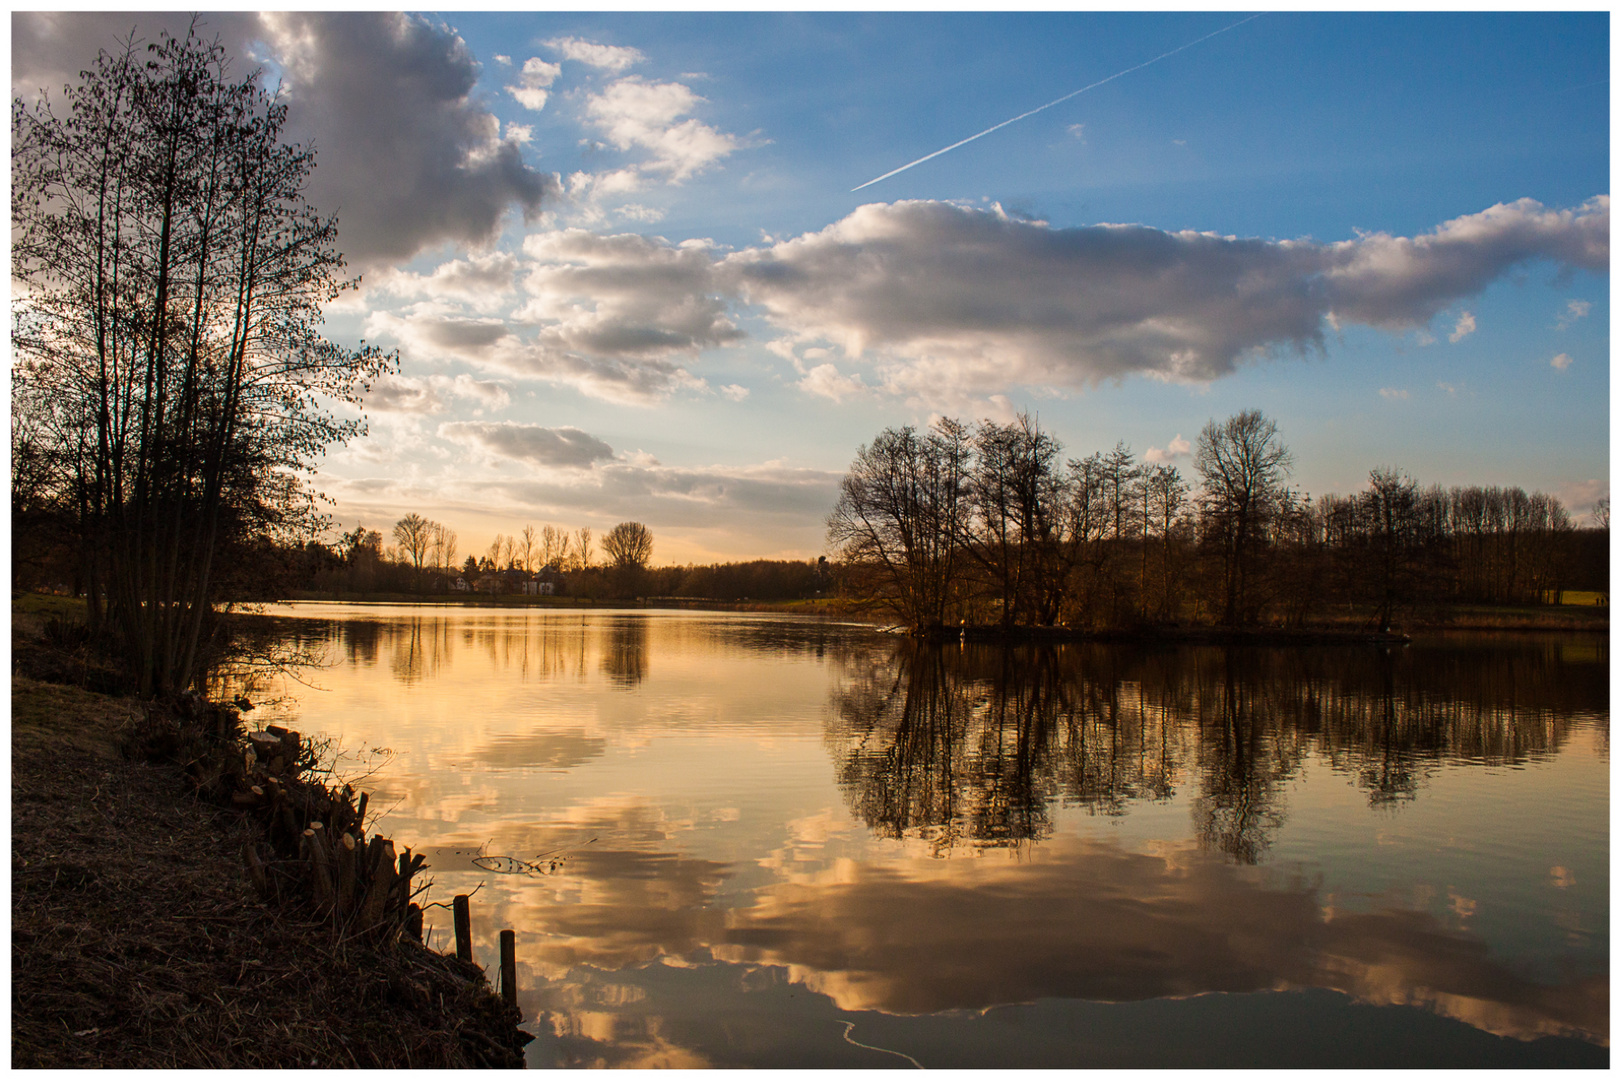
(1059,101)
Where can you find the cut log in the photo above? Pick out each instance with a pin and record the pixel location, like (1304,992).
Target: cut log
(381,884)
(264,743)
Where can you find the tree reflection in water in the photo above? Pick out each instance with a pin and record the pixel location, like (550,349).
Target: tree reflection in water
(624,652)
(973,744)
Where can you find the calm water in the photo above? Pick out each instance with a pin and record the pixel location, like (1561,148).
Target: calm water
(761,841)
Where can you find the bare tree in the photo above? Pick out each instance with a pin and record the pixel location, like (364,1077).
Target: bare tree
(1015,495)
(1244,468)
(1164,499)
(902,511)
(444,547)
(168,335)
(582,547)
(414,534)
(526,548)
(554,546)
(629,545)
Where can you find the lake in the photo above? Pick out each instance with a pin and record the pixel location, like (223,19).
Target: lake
(751,840)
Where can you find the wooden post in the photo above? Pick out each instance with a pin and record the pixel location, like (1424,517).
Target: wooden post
(464,929)
(509,968)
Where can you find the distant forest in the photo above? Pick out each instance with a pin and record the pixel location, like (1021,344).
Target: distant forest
(993,526)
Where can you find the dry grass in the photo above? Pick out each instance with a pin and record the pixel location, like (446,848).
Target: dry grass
(137,943)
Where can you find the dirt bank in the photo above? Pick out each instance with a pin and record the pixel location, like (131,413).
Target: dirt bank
(138,943)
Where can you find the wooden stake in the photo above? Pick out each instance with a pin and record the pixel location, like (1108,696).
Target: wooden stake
(256,869)
(509,968)
(381,884)
(346,873)
(320,866)
(464,929)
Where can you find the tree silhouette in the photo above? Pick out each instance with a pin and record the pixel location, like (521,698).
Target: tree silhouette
(1243,466)
(168,336)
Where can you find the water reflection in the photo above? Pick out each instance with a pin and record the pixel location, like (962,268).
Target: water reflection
(774,827)
(1100,923)
(976,744)
(624,653)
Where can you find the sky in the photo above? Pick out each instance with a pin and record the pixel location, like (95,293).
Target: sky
(628,277)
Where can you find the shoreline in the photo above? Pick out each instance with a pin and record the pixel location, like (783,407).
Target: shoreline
(1344,629)
(140,939)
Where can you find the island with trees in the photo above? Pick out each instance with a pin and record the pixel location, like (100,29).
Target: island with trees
(989,528)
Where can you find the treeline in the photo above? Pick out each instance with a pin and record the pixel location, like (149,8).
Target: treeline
(992,525)
(424,560)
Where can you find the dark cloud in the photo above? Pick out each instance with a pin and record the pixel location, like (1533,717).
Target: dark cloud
(400,393)
(664,495)
(568,448)
(405,394)
(625,296)
(408,158)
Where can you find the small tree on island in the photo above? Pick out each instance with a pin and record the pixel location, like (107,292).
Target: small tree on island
(166,333)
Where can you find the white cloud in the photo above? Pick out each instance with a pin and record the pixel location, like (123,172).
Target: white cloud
(1175,449)
(533,80)
(1561,362)
(735,392)
(948,300)
(615,58)
(482,281)
(502,59)
(1390,393)
(1579,496)
(638,212)
(824,380)
(1399,282)
(1465,326)
(636,113)
(520,133)
(1574,309)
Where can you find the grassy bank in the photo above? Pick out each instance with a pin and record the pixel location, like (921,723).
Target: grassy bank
(137,941)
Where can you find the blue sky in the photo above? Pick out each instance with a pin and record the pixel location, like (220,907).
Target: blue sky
(622,261)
